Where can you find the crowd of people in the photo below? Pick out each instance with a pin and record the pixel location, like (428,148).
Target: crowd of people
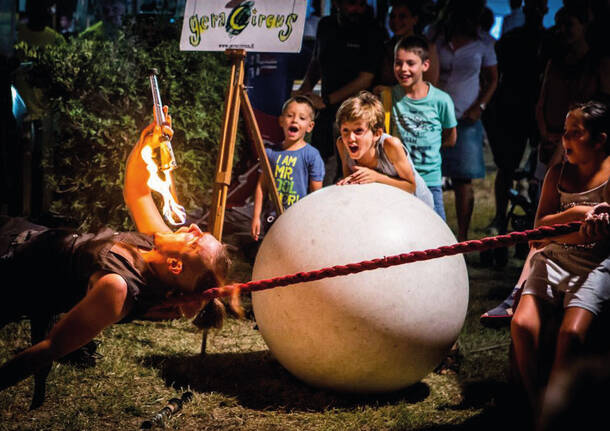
(447,87)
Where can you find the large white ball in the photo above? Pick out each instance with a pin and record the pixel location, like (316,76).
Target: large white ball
(375,331)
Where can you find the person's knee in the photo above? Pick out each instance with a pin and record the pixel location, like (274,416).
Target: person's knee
(571,334)
(522,327)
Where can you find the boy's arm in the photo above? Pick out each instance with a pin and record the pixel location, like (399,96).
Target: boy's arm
(258,208)
(396,154)
(136,192)
(344,166)
(314,185)
(448,137)
(315,170)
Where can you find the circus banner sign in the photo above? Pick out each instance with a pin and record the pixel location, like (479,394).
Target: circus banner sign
(253,25)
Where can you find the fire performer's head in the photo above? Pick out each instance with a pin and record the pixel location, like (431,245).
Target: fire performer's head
(192,261)
(189,259)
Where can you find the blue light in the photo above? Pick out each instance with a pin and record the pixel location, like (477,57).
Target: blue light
(19,108)
(497,27)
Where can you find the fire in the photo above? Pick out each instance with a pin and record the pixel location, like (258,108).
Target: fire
(173,212)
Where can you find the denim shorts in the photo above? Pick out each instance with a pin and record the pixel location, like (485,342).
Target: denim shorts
(439,205)
(465,159)
(550,281)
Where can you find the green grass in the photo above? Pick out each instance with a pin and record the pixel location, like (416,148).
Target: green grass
(239,386)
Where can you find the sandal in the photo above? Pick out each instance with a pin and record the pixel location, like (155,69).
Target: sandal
(502,314)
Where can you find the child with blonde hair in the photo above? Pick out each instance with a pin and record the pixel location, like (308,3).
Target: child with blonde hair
(369,155)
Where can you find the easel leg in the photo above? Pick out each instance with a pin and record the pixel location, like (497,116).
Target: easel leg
(236,93)
(255,135)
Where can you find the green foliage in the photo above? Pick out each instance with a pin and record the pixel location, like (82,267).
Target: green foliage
(99,97)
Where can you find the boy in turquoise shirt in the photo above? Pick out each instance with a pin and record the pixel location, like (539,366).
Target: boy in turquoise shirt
(422,115)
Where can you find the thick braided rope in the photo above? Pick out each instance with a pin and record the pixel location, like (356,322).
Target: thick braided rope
(399,259)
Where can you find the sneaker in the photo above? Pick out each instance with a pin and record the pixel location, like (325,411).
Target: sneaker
(502,314)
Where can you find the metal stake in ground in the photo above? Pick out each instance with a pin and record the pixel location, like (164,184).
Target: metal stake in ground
(173,406)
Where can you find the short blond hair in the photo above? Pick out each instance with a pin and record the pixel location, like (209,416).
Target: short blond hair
(365,106)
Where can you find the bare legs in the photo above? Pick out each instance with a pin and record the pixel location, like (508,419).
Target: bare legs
(527,328)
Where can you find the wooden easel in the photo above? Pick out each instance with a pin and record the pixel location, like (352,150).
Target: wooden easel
(236,97)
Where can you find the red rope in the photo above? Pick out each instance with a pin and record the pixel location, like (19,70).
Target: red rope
(399,259)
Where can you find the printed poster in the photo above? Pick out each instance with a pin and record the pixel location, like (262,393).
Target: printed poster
(253,25)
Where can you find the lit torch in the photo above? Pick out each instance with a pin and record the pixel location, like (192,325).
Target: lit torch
(160,161)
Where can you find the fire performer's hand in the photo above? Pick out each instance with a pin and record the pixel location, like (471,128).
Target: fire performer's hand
(152,135)
(136,192)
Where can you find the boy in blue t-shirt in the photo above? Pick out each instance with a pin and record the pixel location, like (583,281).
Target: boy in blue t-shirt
(422,115)
(296,165)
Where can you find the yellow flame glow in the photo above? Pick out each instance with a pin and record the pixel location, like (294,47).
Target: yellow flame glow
(173,212)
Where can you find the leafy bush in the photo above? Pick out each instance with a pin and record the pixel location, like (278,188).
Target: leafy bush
(100,99)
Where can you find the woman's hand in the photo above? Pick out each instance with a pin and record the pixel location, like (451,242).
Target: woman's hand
(316,100)
(379,89)
(473,114)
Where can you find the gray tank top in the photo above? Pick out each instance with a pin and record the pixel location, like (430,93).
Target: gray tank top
(386,167)
(575,257)
(590,197)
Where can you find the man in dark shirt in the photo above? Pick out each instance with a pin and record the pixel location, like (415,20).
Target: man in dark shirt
(347,52)
(511,121)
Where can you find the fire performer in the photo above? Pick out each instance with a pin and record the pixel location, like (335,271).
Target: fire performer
(104,278)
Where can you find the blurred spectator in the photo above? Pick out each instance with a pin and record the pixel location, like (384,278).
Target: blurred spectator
(35,33)
(269,79)
(469,73)
(516,17)
(66,24)
(109,27)
(598,30)
(300,61)
(576,73)
(151,6)
(510,119)
(404,19)
(34,29)
(347,52)
(487,20)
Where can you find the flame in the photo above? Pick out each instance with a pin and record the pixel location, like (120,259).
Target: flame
(173,212)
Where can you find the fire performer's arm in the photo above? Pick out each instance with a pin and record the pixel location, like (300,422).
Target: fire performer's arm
(103,305)
(136,192)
